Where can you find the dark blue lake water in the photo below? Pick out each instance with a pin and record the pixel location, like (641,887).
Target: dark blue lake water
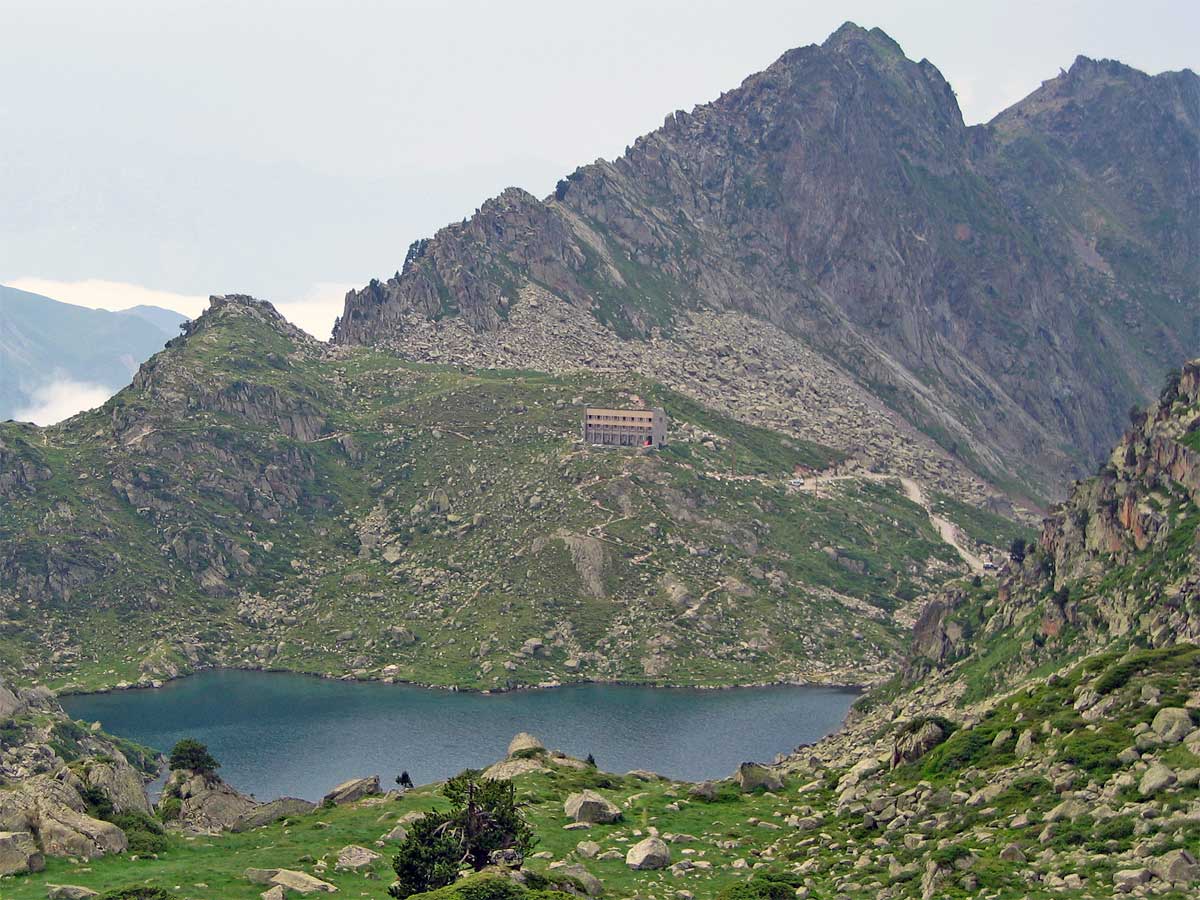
(279,734)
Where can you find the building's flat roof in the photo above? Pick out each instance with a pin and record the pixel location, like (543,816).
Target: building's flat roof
(600,410)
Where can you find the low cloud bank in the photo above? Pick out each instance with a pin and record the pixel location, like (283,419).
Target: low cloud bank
(314,311)
(60,399)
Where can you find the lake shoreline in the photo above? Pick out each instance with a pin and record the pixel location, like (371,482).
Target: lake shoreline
(70,690)
(276,731)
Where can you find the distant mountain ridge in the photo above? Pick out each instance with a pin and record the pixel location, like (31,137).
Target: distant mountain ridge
(1010,289)
(43,341)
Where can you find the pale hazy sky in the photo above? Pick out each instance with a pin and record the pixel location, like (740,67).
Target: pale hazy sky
(160,150)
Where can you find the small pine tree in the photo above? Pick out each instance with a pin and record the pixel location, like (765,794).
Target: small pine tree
(403,779)
(483,817)
(591,760)
(1016,550)
(189,753)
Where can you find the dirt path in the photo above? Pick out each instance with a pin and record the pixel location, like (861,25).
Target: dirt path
(949,532)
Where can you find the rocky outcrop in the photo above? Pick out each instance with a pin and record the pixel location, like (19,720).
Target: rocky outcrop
(206,803)
(52,809)
(19,853)
(524,743)
(354,789)
(272,811)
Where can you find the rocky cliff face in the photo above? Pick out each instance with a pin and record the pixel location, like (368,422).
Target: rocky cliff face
(1006,288)
(1116,562)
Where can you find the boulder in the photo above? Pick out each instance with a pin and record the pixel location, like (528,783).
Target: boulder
(651,853)
(524,741)
(591,884)
(69,892)
(590,807)
(752,776)
(1012,853)
(396,835)
(207,804)
(65,832)
(19,853)
(10,704)
(1069,809)
(274,893)
(1155,779)
(1024,744)
(301,882)
(1126,880)
(354,857)
(510,768)
(1172,724)
(1176,866)
(705,790)
(282,808)
(916,742)
(587,849)
(354,789)
(260,876)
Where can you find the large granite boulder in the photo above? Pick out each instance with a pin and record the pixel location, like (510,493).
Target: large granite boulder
(19,853)
(591,808)
(354,789)
(591,884)
(914,742)
(69,892)
(354,858)
(752,777)
(1172,724)
(273,811)
(1155,779)
(508,769)
(651,853)
(10,704)
(65,832)
(301,882)
(1176,867)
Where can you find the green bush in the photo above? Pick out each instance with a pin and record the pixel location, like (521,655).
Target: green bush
(763,886)
(97,802)
(169,808)
(145,835)
(141,892)
(1096,751)
(495,887)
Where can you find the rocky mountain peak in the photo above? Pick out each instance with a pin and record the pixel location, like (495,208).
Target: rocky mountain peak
(229,308)
(850,36)
(838,196)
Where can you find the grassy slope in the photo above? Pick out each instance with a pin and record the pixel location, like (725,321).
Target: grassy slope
(497,450)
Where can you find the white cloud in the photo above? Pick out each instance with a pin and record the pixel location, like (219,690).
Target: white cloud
(60,399)
(97,293)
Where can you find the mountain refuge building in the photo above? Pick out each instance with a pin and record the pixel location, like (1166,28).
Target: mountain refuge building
(624,427)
